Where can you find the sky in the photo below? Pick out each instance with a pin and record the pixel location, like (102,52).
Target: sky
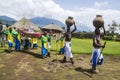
(83,11)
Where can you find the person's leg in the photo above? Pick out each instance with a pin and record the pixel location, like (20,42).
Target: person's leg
(10,44)
(33,46)
(93,67)
(43,51)
(15,40)
(48,52)
(64,59)
(70,53)
(71,59)
(62,50)
(18,45)
(94,61)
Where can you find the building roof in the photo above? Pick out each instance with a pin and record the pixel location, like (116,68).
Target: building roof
(53,27)
(25,24)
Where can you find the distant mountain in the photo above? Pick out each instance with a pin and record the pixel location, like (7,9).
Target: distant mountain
(42,21)
(7,20)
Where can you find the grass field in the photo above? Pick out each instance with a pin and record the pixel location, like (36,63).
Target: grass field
(2,49)
(84,46)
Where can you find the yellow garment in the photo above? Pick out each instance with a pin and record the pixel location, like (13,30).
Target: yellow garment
(10,37)
(62,44)
(46,45)
(34,40)
(44,40)
(19,37)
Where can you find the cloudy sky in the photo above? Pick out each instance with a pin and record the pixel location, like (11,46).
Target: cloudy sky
(83,11)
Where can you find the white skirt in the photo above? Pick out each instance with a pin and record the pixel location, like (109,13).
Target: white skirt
(98,55)
(68,51)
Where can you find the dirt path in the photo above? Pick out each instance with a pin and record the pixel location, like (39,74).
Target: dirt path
(29,66)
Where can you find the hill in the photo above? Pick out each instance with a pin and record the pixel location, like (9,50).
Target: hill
(7,20)
(43,21)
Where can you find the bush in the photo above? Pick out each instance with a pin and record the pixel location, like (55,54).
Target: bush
(83,35)
(117,39)
(108,38)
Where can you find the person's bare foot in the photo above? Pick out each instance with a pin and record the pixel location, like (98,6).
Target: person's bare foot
(95,71)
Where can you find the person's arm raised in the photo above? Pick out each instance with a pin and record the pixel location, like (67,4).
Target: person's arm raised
(74,28)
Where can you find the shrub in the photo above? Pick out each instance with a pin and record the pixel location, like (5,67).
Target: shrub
(108,38)
(117,39)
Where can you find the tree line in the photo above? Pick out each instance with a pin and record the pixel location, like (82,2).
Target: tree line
(113,33)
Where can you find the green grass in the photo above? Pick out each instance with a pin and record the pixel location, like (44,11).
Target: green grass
(84,46)
(2,49)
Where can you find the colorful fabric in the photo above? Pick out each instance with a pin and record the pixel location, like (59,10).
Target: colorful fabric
(46,45)
(62,43)
(34,40)
(96,58)
(35,45)
(68,51)
(26,46)
(62,50)
(17,40)
(19,37)
(44,48)
(44,39)
(17,44)
(14,34)
(30,44)
(43,51)
(10,37)
(10,44)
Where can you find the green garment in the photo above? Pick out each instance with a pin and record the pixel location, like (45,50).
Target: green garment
(49,38)
(61,39)
(44,39)
(7,32)
(14,34)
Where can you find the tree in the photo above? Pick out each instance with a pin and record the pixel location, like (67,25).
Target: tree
(112,27)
